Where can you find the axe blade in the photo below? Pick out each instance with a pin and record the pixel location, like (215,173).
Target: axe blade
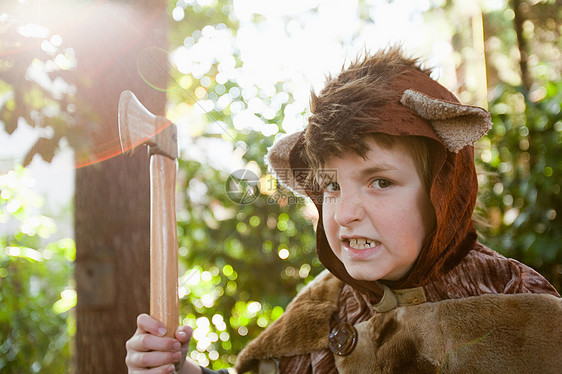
(138,126)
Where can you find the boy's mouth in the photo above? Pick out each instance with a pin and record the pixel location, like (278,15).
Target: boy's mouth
(362,243)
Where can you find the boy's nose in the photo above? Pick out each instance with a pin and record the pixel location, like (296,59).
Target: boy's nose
(349,208)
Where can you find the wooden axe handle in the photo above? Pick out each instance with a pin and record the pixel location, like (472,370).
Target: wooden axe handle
(163,243)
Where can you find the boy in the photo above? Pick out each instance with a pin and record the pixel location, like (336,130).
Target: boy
(396,223)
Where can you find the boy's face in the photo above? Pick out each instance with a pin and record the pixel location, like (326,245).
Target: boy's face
(377,215)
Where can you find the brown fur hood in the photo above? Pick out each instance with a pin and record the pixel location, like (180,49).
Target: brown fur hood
(517,333)
(391,94)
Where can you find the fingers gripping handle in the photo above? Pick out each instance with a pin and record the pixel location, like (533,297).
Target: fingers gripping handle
(163,243)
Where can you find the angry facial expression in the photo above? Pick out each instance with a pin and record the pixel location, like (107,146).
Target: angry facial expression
(377,213)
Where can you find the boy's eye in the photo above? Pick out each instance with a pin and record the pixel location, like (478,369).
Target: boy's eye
(332,187)
(381,183)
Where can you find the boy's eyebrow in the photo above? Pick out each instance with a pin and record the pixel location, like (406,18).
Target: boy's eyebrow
(361,173)
(376,169)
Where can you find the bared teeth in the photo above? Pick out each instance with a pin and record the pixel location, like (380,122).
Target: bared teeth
(362,243)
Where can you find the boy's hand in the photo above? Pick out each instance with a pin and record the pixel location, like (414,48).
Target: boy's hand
(149,351)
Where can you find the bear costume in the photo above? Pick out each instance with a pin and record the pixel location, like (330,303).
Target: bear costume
(462,307)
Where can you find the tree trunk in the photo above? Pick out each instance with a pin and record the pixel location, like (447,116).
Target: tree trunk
(518,20)
(112,197)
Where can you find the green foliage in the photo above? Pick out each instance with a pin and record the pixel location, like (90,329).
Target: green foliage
(522,195)
(250,259)
(36,325)
(243,260)
(522,152)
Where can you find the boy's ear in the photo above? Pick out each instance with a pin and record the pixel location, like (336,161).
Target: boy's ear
(278,160)
(457,125)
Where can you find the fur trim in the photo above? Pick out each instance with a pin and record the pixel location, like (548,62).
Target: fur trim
(457,125)
(517,333)
(313,306)
(277,159)
(483,334)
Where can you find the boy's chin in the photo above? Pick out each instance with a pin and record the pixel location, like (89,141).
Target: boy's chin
(363,275)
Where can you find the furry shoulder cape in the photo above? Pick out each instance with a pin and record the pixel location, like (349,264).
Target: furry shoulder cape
(519,333)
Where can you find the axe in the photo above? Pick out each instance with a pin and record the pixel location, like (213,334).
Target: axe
(137,126)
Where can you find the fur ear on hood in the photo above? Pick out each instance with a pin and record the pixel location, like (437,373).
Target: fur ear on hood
(457,125)
(277,159)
